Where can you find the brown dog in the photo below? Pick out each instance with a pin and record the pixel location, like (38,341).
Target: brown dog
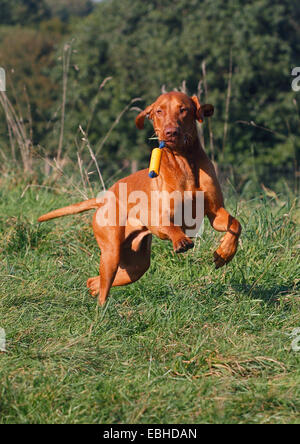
(126,244)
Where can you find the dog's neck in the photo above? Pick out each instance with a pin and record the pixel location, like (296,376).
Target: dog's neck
(190,150)
(186,159)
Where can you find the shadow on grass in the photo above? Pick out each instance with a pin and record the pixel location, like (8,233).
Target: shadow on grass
(270,295)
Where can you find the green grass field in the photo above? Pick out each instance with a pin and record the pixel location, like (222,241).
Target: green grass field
(185,344)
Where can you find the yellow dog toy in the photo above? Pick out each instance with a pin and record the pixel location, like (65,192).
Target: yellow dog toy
(155,161)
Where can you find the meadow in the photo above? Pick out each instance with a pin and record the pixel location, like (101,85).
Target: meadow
(185,344)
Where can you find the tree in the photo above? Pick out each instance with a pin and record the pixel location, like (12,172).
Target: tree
(247,49)
(23,12)
(145,45)
(65,9)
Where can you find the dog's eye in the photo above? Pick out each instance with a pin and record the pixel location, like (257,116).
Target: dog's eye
(159,111)
(182,110)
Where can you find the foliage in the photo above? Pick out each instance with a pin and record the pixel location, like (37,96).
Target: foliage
(29,12)
(28,57)
(65,9)
(147,46)
(150,44)
(23,12)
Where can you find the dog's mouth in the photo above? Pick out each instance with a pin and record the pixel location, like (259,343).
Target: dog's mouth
(172,141)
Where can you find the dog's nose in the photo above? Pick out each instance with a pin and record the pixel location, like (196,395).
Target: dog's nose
(172,131)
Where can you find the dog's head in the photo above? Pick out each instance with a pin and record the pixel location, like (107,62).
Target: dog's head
(174,115)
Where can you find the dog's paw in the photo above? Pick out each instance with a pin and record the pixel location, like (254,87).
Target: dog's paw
(225,252)
(219,260)
(183,245)
(93,285)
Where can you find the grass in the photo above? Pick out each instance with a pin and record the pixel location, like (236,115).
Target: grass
(185,344)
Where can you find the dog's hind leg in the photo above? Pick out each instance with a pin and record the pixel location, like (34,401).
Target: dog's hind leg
(109,240)
(134,261)
(109,263)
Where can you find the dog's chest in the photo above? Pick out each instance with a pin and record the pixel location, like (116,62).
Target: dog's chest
(181,173)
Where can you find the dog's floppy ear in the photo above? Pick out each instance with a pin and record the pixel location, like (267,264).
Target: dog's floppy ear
(139,120)
(202,110)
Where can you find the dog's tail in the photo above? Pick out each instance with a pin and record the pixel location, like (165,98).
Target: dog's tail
(71,209)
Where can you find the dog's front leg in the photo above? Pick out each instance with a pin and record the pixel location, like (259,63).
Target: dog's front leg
(221,220)
(181,242)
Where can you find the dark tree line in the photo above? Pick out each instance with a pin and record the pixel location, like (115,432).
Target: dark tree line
(237,55)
